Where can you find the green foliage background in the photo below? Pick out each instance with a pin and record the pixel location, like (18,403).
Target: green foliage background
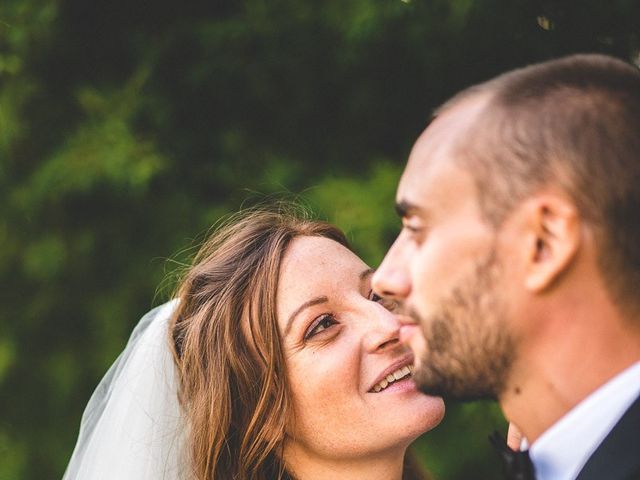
(127,128)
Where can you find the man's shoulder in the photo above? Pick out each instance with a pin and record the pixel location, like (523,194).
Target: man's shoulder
(618,456)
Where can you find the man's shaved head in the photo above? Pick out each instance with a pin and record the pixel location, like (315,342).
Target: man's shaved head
(572,123)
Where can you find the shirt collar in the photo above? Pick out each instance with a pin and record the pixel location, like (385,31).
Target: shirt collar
(561,451)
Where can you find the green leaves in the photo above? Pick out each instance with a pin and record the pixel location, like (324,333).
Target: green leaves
(362,207)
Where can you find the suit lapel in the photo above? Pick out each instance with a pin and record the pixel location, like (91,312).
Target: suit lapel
(618,456)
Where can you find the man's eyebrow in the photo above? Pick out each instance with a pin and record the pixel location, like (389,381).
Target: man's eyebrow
(310,303)
(405,208)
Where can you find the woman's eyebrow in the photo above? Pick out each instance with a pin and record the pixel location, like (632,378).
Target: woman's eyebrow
(310,303)
(367,273)
(318,300)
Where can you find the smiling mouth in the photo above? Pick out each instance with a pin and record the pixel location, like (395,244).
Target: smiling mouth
(397,375)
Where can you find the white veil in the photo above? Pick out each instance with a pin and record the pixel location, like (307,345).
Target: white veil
(132,428)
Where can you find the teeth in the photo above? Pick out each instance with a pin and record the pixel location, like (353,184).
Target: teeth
(393,377)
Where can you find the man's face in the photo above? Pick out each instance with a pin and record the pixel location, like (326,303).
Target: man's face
(445,269)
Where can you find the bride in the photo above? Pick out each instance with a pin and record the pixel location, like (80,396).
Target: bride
(275,361)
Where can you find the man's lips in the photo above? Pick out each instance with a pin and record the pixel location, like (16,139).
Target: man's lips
(408,331)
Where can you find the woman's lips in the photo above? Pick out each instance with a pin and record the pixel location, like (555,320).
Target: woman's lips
(394,373)
(405,384)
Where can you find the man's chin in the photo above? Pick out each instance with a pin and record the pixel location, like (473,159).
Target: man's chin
(447,388)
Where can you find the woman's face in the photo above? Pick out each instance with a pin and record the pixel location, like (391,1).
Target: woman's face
(352,392)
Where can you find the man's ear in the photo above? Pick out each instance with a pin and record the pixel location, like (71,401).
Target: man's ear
(554,237)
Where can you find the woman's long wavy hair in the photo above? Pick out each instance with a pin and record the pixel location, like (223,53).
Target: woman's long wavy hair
(227,345)
(228,349)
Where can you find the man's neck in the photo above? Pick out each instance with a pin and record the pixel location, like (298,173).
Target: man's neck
(554,376)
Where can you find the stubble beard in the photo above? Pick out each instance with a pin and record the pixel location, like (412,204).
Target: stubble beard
(469,347)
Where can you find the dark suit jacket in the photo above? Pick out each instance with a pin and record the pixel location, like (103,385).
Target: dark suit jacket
(618,456)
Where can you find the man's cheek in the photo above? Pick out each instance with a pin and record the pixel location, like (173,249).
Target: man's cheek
(423,282)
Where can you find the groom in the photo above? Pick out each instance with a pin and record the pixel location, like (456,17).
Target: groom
(518,264)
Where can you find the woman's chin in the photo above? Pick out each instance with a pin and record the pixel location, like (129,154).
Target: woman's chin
(402,403)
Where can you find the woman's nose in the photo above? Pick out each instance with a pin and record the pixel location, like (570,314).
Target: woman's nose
(382,331)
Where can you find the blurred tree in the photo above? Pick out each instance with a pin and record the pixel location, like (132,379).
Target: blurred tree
(127,128)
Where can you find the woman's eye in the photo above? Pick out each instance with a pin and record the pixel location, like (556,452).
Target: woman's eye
(385,302)
(325,321)
(374,297)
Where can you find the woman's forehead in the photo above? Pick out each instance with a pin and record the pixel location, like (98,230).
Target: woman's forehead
(317,254)
(314,266)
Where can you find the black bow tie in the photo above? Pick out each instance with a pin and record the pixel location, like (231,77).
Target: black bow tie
(517,464)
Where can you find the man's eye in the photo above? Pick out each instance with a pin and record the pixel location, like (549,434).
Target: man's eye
(322,323)
(415,230)
(415,233)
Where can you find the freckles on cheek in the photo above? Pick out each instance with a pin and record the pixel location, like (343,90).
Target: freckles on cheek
(330,411)
(314,398)
(323,378)
(307,376)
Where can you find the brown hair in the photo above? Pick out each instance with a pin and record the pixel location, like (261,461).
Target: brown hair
(573,122)
(227,345)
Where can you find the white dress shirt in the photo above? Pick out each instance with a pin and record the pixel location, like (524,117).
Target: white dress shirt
(562,451)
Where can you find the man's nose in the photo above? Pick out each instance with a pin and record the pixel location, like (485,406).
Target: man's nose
(391,280)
